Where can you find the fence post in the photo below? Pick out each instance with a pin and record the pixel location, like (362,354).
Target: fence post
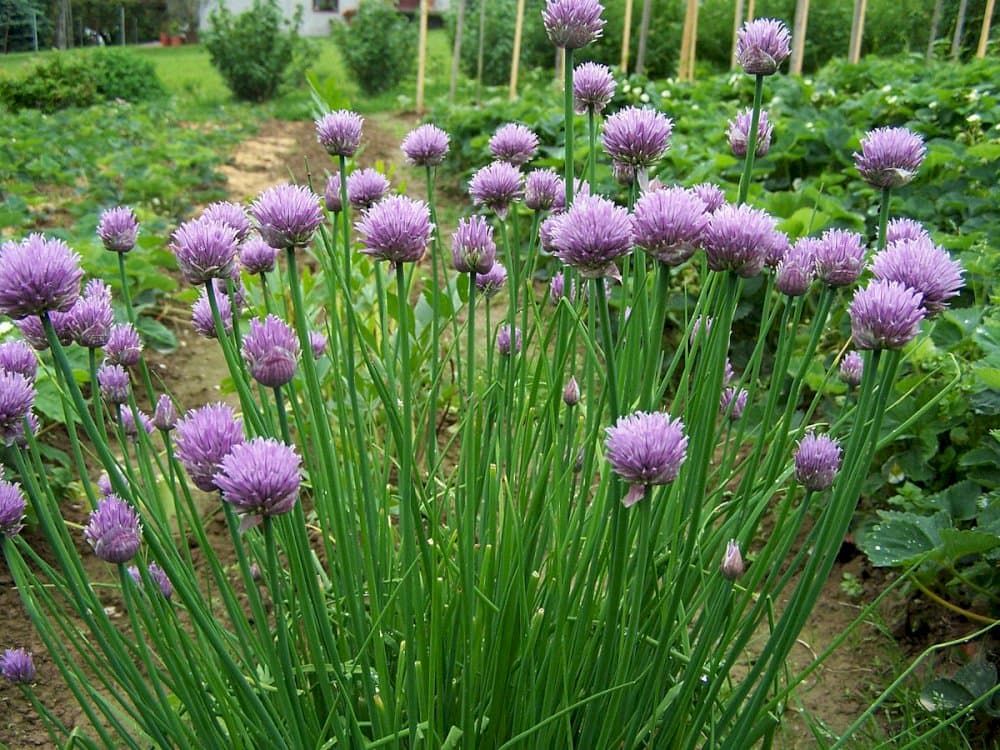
(799,35)
(34,29)
(984,34)
(515,56)
(121,23)
(626,35)
(422,55)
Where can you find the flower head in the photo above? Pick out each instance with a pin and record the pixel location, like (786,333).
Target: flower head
(33,332)
(38,275)
(777,248)
(317,344)
(11,508)
(839,257)
(131,427)
(256,256)
(645,449)
(472,246)
(711,195)
(397,229)
(17,394)
(490,283)
(733,402)
(124,346)
(591,235)
(637,137)
(732,566)
(156,575)
(230,214)
(114,531)
(366,187)
(571,393)
(668,224)
(885,315)
(904,229)
(204,437)
(923,266)
(796,271)
(889,157)
(426,146)
(738,133)
(17,666)
(339,132)
(332,198)
(558,289)
(817,461)
(118,229)
(572,24)
(851,369)
(593,87)
(542,188)
(114,383)
(287,215)
(507,344)
(514,144)
(496,186)
(17,356)
(762,45)
(260,477)
(271,351)
(201,314)
(90,321)
(165,414)
(205,249)
(737,238)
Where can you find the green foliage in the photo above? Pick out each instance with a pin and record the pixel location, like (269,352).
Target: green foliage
(257,51)
(16,25)
(121,74)
(378,47)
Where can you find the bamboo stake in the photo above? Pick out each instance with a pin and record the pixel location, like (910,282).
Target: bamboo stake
(687,41)
(799,35)
(456,55)
(626,35)
(640,55)
(857,31)
(984,34)
(935,23)
(956,41)
(480,54)
(422,54)
(737,23)
(561,68)
(750,10)
(694,39)
(515,58)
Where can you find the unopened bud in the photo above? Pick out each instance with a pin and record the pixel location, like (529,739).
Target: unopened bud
(732,564)
(571,394)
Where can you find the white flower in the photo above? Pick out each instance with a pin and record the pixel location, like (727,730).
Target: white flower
(886,89)
(644,98)
(974,118)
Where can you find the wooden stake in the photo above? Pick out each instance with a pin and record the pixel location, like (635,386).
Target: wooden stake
(956,41)
(935,23)
(694,39)
(737,24)
(626,35)
(515,58)
(422,55)
(456,55)
(857,31)
(750,9)
(640,55)
(799,36)
(481,54)
(984,34)
(684,73)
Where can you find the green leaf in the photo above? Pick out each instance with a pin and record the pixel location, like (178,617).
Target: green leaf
(958,543)
(901,538)
(959,501)
(990,376)
(954,693)
(157,335)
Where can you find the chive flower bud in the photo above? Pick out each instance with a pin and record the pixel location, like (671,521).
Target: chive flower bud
(17,666)
(257,257)
(366,187)
(317,344)
(204,437)
(114,531)
(12,507)
(165,414)
(889,157)
(839,257)
(645,448)
(796,271)
(124,346)
(332,198)
(271,351)
(593,87)
(762,45)
(736,399)
(90,321)
(118,229)
(201,314)
(885,315)
(339,132)
(17,394)
(817,461)
(852,367)
(156,575)
(38,275)
(472,246)
(542,188)
(571,393)
(507,344)
(426,146)
(514,144)
(732,566)
(738,133)
(260,477)
(490,283)
(287,215)
(572,24)
(131,427)
(114,383)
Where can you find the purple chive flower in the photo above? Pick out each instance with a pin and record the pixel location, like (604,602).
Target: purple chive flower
(17,394)
(287,215)
(114,383)
(885,315)
(104,488)
(16,356)
(542,188)
(340,132)
(17,433)
(366,187)
(230,214)
(165,414)
(156,575)
(796,271)
(97,288)
(571,393)
(496,186)
(131,428)
(17,666)
(762,45)
(490,283)
(90,320)
(205,250)
(593,87)
(889,157)
(923,266)
(271,351)
(852,367)
(904,229)
(728,373)
(332,198)
(38,275)
(506,343)
(623,173)
(696,328)
(645,449)
(668,224)
(118,229)
(735,398)
(426,146)
(839,257)
(738,133)
(260,477)
(204,437)
(711,195)
(637,137)
(546,232)
(256,256)
(558,289)
(572,24)
(732,566)
(11,508)
(817,461)
(736,239)
(114,531)
(514,144)
(201,315)
(124,346)
(472,246)
(317,344)
(777,249)
(580,187)
(396,229)
(591,234)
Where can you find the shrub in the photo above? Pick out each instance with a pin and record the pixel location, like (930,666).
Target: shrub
(122,75)
(378,46)
(254,51)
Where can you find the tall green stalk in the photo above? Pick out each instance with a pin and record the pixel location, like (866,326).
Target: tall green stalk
(758,95)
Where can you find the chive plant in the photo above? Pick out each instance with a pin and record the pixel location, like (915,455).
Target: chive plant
(580,560)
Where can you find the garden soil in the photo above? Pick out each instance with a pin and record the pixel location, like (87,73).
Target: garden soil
(832,696)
